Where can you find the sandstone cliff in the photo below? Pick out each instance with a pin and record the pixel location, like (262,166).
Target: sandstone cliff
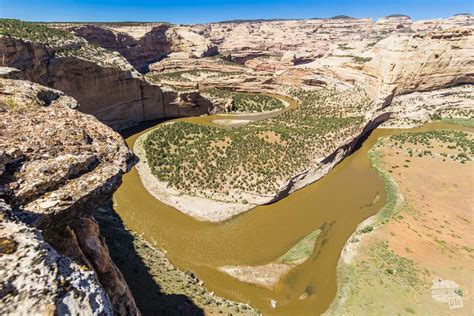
(399,64)
(103,82)
(140,52)
(421,62)
(387,57)
(55,170)
(43,281)
(144,45)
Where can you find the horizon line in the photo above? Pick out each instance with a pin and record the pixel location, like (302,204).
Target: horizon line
(243,20)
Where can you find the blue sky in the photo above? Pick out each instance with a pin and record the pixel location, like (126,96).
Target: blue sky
(194,11)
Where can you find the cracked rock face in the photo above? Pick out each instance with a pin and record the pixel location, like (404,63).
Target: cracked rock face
(36,279)
(60,158)
(56,166)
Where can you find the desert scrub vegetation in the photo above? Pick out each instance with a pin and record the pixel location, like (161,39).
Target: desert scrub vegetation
(244,102)
(457,145)
(399,269)
(362,60)
(464,118)
(64,44)
(258,158)
(34,32)
(468,122)
(193,75)
(357,59)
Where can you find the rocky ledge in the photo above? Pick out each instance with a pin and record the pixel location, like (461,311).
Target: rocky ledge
(57,165)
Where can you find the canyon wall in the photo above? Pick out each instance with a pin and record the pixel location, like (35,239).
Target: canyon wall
(391,56)
(401,63)
(420,62)
(62,164)
(144,45)
(140,52)
(112,92)
(57,165)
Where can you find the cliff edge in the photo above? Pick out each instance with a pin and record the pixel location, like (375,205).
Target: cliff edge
(57,165)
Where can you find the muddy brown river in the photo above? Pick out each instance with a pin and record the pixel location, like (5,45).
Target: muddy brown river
(343,198)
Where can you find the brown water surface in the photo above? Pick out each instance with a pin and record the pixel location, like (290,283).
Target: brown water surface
(343,198)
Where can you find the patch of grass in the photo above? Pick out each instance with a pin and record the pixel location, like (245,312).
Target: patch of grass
(400,268)
(410,310)
(468,122)
(302,249)
(367,229)
(362,60)
(344,46)
(459,292)
(390,186)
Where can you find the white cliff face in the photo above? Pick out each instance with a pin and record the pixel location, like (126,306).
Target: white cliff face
(413,109)
(420,62)
(399,64)
(388,57)
(187,41)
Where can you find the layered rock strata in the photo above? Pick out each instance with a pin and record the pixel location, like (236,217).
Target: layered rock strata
(111,90)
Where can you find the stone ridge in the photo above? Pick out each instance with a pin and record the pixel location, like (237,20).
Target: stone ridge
(55,170)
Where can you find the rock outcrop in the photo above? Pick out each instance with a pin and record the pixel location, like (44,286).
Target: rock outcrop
(143,45)
(58,165)
(185,40)
(140,52)
(388,57)
(115,96)
(400,64)
(36,279)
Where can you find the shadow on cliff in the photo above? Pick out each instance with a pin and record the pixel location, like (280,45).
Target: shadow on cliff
(127,132)
(127,252)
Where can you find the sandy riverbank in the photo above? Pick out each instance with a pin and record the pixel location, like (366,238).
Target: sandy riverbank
(398,244)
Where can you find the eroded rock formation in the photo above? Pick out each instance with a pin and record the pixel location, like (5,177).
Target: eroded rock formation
(140,52)
(421,62)
(108,88)
(55,170)
(43,281)
(62,164)
(144,45)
